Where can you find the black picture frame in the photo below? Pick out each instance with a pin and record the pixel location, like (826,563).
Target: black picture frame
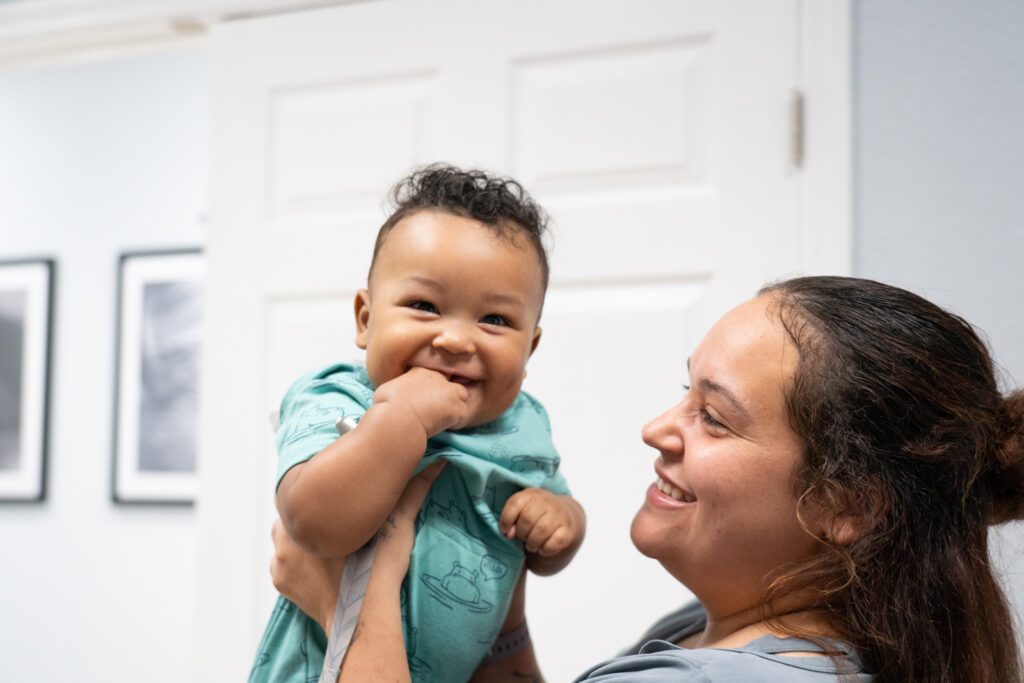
(26,348)
(158,355)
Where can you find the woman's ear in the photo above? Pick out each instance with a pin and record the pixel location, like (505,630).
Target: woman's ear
(845,529)
(847,516)
(362,311)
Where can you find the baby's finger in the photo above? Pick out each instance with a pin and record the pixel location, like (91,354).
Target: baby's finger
(556,543)
(510,513)
(540,531)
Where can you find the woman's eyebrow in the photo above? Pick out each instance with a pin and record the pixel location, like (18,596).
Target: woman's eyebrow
(709,387)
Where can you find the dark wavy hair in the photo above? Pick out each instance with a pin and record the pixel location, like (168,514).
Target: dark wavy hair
(907,430)
(499,203)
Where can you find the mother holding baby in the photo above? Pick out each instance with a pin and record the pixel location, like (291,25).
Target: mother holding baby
(824,488)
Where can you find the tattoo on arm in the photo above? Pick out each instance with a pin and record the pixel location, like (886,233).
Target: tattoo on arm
(387,528)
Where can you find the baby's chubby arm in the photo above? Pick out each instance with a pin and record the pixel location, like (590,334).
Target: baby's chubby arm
(336,501)
(550,526)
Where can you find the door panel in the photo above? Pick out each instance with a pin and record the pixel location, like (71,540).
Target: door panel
(655,134)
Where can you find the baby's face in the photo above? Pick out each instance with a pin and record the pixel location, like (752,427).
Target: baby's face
(450,295)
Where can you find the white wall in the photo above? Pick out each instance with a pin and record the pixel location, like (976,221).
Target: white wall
(96,159)
(939,170)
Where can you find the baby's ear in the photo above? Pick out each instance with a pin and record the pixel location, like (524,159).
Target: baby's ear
(362,311)
(536,340)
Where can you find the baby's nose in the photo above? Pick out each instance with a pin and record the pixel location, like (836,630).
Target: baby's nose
(454,339)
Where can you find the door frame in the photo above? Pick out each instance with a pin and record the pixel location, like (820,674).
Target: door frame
(825,218)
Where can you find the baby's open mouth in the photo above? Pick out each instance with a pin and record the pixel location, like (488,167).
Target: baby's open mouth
(464,381)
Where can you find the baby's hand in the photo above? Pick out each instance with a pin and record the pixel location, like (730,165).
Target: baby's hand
(546,523)
(438,403)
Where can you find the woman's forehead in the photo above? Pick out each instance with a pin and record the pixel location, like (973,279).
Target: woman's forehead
(747,350)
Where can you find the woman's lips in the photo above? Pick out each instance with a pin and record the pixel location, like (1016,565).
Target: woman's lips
(659,499)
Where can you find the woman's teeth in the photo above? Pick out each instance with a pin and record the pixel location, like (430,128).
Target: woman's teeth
(677,493)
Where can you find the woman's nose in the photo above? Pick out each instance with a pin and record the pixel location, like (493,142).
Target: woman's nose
(663,433)
(453,338)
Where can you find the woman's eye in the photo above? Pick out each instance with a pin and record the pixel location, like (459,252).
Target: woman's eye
(710,421)
(424,306)
(494,319)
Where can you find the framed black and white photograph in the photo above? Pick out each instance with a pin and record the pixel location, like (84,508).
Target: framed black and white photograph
(160,311)
(26,303)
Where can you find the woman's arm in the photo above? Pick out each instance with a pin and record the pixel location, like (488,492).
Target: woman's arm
(310,581)
(511,659)
(377,651)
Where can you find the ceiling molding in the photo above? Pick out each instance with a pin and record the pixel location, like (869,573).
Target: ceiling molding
(34,32)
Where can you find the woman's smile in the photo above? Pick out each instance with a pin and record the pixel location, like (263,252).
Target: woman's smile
(663,495)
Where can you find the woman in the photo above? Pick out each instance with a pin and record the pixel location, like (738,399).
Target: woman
(824,489)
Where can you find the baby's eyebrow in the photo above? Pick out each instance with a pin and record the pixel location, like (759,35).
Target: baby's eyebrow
(424,280)
(503,299)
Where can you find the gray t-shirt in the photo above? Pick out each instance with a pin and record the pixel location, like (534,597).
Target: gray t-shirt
(655,659)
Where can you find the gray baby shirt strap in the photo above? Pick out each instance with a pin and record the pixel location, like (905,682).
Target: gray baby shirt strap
(354,579)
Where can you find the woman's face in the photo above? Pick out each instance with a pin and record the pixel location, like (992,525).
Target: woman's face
(721,513)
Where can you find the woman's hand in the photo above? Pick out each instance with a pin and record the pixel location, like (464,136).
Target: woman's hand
(308,580)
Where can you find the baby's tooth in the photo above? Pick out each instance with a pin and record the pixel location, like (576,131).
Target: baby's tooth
(677,493)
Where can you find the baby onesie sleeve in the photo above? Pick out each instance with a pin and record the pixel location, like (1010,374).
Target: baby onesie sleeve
(310,409)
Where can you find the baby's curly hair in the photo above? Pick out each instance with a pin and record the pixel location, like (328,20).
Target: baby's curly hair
(499,203)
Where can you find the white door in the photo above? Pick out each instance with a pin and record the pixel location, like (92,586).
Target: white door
(656,134)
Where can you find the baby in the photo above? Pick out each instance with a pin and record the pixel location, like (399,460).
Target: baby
(448,321)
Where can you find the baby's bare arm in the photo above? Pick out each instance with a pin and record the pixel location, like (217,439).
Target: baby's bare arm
(334,503)
(550,526)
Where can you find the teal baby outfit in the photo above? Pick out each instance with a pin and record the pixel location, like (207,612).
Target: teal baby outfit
(463,570)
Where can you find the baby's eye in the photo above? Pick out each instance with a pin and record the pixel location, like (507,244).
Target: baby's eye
(495,319)
(424,306)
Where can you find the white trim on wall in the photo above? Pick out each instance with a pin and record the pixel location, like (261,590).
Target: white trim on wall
(34,32)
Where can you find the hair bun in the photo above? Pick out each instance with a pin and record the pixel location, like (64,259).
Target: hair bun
(1008,470)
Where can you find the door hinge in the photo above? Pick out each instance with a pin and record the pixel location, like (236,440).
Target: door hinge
(796,129)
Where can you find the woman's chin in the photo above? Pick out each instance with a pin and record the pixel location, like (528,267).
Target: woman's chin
(645,538)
